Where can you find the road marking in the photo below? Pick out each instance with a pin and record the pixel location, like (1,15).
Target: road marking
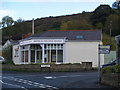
(53,77)
(31,83)
(30,75)
(36,83)
(13,85)
(49,77)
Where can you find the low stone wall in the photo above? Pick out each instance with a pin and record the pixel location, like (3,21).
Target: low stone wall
(53,67)
(112,79)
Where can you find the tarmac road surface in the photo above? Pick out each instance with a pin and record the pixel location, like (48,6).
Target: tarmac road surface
(54,80)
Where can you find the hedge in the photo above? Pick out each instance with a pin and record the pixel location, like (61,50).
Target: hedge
(111,69)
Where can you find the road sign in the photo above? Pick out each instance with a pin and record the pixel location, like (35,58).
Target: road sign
(117,39)
(104,49)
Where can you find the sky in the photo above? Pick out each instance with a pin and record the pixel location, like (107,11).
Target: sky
(28,9)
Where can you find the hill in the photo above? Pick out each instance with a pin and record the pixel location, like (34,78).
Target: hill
(102,18)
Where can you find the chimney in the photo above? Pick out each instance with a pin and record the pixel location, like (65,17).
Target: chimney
(33,26)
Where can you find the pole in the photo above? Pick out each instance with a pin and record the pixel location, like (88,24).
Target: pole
(117,38)
(118,53)
(99,75)
(33,26)
(110,31)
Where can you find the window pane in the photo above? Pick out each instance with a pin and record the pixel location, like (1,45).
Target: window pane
(53,56)
(22,56)
(60,56)
(32,56)
(26,56)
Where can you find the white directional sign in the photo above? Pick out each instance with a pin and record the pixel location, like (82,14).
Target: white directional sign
(104,49)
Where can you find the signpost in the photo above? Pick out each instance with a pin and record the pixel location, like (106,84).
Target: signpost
(117,39)
(43,66)
(103,49)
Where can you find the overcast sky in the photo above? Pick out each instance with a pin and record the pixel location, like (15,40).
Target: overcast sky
(28,9)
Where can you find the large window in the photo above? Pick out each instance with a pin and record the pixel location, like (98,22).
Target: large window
(32,56)
(53,53)
(60,56)
(47,52)
(24,54)
(36,53)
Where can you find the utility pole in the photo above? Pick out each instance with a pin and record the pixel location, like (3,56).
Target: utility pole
(110,32)
(117,39)
(99,73)
(33,27)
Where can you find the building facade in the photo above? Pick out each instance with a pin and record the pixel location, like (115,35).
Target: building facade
(59,47)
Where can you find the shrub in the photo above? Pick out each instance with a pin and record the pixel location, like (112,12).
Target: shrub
(111,69)
(7,53)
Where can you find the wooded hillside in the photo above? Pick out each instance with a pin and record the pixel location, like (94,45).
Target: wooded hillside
(102,18)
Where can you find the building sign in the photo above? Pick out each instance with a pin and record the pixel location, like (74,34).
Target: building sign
(45,65)
(40,41)
(104,49)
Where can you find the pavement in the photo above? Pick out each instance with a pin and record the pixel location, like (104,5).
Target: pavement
(50,80)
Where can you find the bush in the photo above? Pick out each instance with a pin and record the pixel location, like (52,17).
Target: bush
(111,69)
(7,54)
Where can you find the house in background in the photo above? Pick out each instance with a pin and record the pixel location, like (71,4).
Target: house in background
(73,46)
(9,43)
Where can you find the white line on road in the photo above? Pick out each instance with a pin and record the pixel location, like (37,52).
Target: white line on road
(13,85)
(49,77)
(31,83)
(53,77)
(30,75)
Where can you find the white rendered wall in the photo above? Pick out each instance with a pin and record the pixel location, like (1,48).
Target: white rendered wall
(78,52)
(16,59)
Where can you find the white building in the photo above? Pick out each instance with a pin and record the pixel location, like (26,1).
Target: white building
(59,47)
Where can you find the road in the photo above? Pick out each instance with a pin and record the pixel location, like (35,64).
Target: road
(53,80)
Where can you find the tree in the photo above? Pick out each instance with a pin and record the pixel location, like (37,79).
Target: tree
(7,53)
(7,21)
(114,21)
(100,14)
(63,26)
(116,5)
(99,26)
(20,20)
